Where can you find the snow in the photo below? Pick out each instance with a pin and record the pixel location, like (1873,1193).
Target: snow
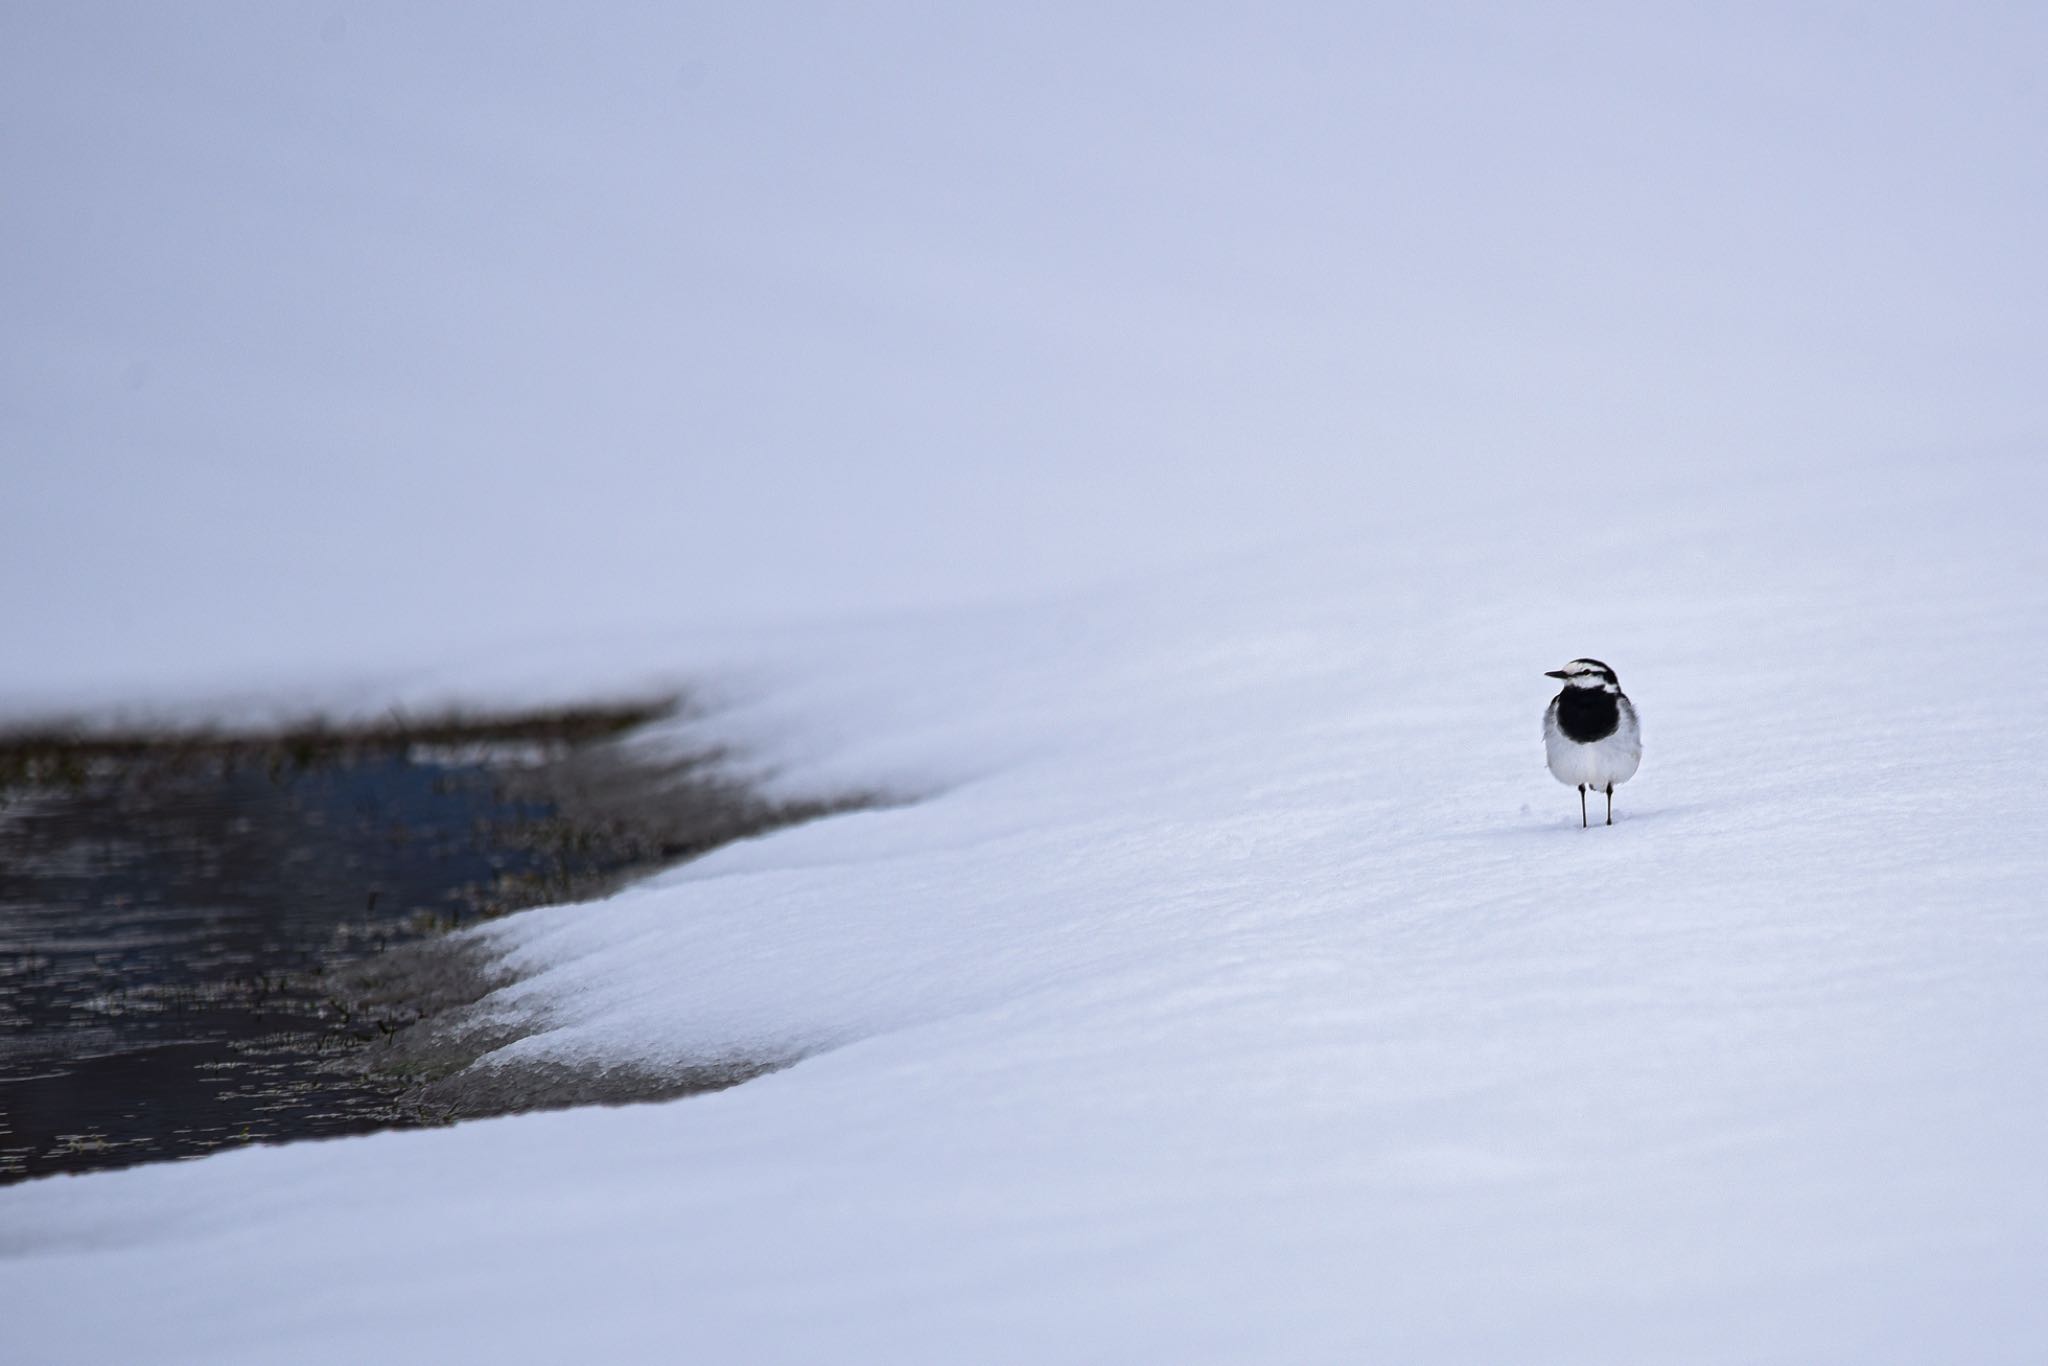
(1162,452)
(1240,986)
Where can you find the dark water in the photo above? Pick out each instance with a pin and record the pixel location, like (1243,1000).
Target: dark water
(165,931)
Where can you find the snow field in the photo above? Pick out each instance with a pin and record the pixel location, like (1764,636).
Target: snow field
(1241,987)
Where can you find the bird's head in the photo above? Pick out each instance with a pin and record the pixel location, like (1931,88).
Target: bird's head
(1586,673)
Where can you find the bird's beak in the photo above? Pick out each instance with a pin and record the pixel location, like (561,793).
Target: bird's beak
(1554,673)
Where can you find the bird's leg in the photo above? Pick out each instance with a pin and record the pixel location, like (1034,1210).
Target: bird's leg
(1582,806)
(1610,803)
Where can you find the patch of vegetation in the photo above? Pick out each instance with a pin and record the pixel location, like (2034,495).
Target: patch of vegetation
(67,753)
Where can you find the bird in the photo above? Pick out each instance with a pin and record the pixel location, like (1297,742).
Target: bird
(1590,733)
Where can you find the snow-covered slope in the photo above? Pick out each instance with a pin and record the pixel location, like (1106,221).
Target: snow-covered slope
(1242,988)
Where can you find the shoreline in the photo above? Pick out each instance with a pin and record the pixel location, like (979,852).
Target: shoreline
(596,810)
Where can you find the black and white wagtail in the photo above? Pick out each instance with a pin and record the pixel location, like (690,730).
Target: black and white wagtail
(1590,734)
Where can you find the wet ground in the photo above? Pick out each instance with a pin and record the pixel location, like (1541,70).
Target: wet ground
(183,925)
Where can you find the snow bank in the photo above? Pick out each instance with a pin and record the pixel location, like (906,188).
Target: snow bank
(1241,988)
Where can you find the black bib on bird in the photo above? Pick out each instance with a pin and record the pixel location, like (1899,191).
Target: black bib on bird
(1588,714)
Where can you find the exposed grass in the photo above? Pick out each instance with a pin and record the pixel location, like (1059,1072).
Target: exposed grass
(66,752)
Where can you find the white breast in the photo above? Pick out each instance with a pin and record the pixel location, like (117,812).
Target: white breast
(1612,760)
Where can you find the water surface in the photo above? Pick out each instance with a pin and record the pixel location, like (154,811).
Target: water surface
(166,928)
